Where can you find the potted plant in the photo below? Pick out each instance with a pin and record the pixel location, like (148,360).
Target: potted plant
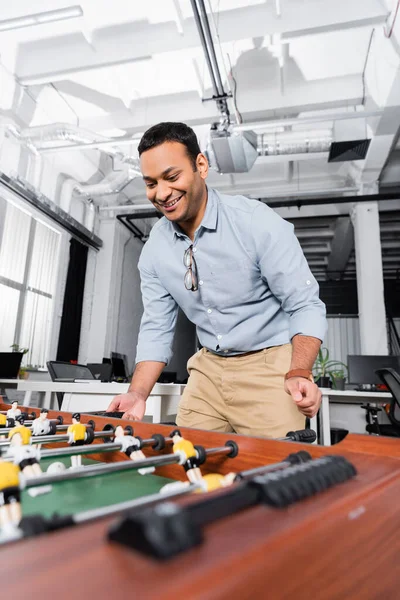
(22,373)
(338,379)
(325,369)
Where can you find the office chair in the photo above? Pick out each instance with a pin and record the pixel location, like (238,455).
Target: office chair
(391,379)
(65,371)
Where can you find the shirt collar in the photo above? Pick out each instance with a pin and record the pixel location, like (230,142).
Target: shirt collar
(210,216)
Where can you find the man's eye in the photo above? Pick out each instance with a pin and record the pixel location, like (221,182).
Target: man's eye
(172,178)
(150,185)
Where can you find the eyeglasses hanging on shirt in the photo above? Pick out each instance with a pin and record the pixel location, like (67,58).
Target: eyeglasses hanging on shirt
(191,282)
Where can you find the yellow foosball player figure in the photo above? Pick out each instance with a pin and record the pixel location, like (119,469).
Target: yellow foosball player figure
(6,421)
(188,455)
(77,437)
(207,483)
(215,481)
(131,446)
(23,454)
(10,501)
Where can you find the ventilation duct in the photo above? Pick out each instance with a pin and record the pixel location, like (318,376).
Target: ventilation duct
(112,184)
(36,138)
(232,153)
(236,152)
(349,150)
(287,143)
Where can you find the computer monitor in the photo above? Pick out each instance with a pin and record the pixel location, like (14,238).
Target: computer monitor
(167,377)
(119,364)
(10,363)
(101,371)
(362,367)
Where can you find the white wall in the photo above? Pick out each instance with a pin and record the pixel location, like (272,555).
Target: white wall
(112,306)
(342,338)
(130,304)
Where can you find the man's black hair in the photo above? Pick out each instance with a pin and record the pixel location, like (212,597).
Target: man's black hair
(171,132)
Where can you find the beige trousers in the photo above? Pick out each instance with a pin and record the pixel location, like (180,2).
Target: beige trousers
(242,394)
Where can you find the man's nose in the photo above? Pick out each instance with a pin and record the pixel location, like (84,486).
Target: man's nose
(163,191)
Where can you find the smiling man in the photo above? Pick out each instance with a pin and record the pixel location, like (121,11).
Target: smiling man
(237,271)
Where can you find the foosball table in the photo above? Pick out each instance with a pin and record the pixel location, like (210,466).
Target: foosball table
(251,516)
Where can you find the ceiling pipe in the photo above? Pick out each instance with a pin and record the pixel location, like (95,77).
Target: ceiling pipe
(330,200)
(294,142)
(129,207)
(122,141)
(35,137)
(273,124)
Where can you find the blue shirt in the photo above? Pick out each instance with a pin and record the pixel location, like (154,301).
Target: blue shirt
(255,287)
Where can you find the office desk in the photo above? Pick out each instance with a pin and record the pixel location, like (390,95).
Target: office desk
(8,384)
(321,423)
(94,395)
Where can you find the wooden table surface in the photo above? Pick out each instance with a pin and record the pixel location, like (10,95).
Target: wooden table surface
(340,544)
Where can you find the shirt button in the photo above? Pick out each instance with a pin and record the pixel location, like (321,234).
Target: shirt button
(201,282)
(194,249)
(209,311)
(219,337)
(308,282)
(226,351)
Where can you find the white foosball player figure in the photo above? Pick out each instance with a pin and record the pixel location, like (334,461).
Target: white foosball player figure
(42,425)
(14,411)
(130,445)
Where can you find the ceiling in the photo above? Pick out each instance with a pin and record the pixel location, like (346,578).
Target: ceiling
(295,67)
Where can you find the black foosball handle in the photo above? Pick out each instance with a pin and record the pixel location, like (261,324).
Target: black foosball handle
(169,529)
(306,436)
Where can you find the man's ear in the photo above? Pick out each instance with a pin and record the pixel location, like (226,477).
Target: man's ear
(202,165)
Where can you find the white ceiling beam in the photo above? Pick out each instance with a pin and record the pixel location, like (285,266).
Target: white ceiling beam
(51,59)
(334,93)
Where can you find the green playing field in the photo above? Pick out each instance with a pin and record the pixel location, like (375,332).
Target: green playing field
(83,494)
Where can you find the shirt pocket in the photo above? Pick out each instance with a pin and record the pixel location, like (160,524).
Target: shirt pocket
(233,282)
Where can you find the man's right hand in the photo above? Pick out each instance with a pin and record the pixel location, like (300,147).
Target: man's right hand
(132,404)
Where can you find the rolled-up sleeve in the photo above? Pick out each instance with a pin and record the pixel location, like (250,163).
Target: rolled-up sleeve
(285,270)
(159,317)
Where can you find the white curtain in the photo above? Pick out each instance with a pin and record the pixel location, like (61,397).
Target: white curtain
(28,254)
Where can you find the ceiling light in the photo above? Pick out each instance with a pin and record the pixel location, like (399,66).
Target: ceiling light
(71,12)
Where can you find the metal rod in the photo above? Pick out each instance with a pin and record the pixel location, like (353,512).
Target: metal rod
(221,450)
(109,469)
(73,450)
(211,49)
(151,442)
(48,439)
(92,471)
(204,44)
(105,511)
(264,469)
(27,424)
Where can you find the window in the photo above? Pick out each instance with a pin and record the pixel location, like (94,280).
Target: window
(28,269)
